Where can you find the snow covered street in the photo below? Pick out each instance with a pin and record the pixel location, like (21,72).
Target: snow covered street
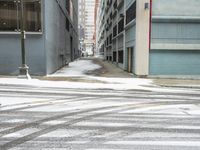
(96,113)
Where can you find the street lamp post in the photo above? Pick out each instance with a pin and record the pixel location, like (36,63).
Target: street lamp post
(23,70)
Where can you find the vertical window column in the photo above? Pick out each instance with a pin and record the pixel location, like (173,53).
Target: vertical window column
(8,15)
(32,15)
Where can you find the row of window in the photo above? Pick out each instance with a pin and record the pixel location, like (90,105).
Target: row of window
(130,15)
(120,25)
(120,57)
(10,15)
(109,40)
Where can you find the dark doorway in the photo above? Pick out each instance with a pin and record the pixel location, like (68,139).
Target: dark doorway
(130,59)
(71,49)
(114,56)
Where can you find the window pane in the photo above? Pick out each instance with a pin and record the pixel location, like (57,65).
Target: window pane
(32,15)
(115,31)
(8,15)
(121,26)
(131,13)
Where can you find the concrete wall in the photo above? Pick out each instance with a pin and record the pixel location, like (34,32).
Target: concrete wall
(74,31)
(57,37)
(175,43)
(57,40)
(130,32)
(10,54)
(121,37)
(142,39)
(175,62)
(176,8)
(129,42)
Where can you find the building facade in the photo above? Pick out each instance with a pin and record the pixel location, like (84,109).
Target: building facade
(151,37)
(95,26)
(51,35)
(81,24)
(87,24)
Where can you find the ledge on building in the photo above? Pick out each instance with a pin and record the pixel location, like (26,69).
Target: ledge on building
(175,19)
(18,33)
(172,46)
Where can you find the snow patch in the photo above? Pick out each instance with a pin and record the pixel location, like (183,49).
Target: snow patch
(76,68)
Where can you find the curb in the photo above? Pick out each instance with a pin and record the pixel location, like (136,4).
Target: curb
(179,86)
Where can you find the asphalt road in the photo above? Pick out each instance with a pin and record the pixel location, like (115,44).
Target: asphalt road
(35,118)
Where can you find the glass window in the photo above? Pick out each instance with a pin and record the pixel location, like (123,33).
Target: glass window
(10,15)
(115,31)
(131,13)
(121,25)
(32,15)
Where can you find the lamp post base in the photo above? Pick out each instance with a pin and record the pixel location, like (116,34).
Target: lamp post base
(23,72)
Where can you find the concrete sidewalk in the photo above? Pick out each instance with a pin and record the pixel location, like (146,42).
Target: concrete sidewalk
(180,83)
(111,70)
(108,69)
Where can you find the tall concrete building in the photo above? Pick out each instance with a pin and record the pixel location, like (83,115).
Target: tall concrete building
(81,24)
(87,23)
(51,35)
(95,25)
(151,37)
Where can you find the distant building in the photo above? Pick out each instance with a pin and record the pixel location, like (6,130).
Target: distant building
(81,25)
(87,23)
(96,25)
(51,35)
(151,37)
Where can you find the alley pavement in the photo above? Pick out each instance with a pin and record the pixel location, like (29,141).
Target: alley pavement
(66,119)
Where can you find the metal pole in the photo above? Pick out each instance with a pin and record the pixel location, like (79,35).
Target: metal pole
(22,34)
(23,70)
